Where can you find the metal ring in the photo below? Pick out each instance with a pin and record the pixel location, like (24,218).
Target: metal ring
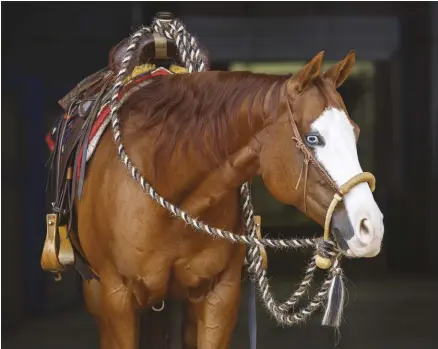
(158,309)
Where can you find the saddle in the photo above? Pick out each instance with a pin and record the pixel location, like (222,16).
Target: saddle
(67,162)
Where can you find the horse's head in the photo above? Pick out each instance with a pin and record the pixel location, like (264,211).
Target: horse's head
(312,103)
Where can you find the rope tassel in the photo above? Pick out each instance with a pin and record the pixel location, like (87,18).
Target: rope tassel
(335,303)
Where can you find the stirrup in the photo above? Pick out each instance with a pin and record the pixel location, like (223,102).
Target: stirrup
(53,258)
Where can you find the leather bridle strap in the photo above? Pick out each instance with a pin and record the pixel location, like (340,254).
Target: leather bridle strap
(323,261)
(308,156)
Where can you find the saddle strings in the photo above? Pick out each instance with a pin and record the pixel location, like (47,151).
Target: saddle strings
(190,55)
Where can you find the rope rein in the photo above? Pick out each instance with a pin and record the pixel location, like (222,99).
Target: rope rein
(326,249)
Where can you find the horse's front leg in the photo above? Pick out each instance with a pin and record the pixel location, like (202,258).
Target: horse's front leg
(116,316)
(218,314)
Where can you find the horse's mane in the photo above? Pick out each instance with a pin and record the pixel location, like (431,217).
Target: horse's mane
(199,108)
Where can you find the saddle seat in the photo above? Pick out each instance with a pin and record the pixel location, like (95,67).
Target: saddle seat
(69,144)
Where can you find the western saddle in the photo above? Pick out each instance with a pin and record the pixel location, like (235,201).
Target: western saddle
(71,134)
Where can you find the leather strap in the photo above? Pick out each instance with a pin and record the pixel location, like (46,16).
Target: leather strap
(160,46)
(308,157)
(252,315)
(90,120)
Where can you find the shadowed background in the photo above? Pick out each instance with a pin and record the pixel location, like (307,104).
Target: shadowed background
(392,94)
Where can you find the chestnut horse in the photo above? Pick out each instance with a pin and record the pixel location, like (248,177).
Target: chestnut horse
(197,138)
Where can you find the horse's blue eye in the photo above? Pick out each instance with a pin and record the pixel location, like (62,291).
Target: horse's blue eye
(312,139)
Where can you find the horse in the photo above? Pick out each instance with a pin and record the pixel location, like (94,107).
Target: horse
(197,138)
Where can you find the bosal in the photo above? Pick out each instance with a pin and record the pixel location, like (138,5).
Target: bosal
(327,256)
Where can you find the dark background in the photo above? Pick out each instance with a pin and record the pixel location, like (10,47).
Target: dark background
(49,47)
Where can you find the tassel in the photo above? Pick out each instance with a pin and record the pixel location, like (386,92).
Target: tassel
(335,304)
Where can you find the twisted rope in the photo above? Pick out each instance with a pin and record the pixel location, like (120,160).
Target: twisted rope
(190,55)
(258,272)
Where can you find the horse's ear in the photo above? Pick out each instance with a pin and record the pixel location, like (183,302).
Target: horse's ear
(340,71)
(309,72)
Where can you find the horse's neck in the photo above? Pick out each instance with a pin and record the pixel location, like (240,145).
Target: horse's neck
(194,186)
(222,181)
(189,180)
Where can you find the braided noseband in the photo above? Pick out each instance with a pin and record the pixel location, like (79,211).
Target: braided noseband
(327,255)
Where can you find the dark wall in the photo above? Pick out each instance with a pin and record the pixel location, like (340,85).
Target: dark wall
(12,298)
(416,202)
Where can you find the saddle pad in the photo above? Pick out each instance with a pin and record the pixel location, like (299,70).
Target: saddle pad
(103,117)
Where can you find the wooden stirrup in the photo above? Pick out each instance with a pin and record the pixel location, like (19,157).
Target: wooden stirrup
(53,258)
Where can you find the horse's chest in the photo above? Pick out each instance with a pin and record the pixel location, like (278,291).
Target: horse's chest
(188,261)
(190,275)
(193,269)
(201,257)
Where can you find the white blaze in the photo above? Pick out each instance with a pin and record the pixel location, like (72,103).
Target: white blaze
(339,158)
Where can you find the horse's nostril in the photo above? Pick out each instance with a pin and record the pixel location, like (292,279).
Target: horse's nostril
(365,226)
(365,231)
